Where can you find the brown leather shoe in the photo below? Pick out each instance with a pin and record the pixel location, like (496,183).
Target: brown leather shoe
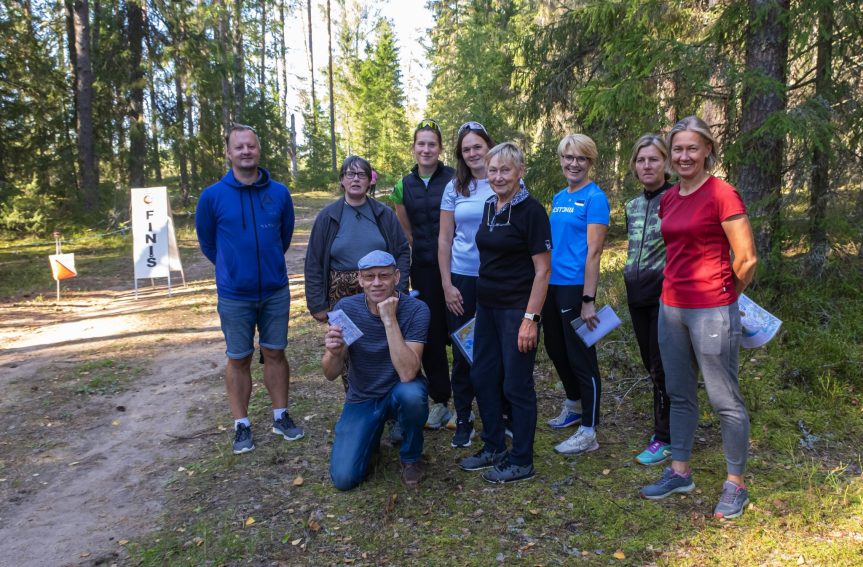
(412,474)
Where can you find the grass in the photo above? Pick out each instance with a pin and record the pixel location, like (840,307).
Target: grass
(103,377)
(803,391)
(807,502)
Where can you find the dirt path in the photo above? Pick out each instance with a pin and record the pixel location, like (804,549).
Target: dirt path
(104,397)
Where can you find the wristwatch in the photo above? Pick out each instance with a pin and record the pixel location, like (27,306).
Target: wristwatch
(588,298)
(535,317)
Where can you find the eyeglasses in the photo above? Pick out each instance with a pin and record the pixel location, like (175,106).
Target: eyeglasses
(370,277)
(471,126)
(568,159)
(428,123)
(356,175)
(492,217)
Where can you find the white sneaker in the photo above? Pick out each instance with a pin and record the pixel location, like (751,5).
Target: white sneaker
(438,416)
(580,442)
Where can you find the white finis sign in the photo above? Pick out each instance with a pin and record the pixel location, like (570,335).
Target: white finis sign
(154,249)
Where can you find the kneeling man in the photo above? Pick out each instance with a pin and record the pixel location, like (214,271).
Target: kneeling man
(384,377)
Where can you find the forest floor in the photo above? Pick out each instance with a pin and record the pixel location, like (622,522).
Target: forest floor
(116,450)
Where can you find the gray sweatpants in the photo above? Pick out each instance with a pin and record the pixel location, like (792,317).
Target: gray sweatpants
(708,339)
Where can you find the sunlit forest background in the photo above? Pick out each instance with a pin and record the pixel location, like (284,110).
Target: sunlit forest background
(97,96)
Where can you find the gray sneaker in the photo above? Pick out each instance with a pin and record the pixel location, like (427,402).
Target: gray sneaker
(505,472)
(482,459)
(439,415)
(285,427)
(732,502)
(243,442)
(670,483)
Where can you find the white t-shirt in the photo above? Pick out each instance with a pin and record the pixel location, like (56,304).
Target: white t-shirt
(467,212)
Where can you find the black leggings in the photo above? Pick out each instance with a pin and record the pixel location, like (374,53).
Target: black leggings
(575,363)
(644,323)
(426,280)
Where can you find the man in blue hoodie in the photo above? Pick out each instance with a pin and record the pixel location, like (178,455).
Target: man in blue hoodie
(244,224)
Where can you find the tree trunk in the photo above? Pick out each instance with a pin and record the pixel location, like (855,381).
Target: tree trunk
(224,73)
(294,169)
(73,70)
(191,146)
(821,153)
(859,216)
(137,129)
(155,159)
(759,177)
(312,68)
(239,62)
(262,70)
(283,66)
(88,169)
(332,98)
(180,142)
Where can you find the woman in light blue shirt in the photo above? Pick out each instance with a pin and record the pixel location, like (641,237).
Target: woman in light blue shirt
(461,212)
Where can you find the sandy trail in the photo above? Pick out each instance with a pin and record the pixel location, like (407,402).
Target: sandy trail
(81,474)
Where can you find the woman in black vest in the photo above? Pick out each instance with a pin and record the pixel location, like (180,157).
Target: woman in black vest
(417,198)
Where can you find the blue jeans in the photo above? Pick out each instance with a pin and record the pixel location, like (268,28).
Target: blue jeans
(359,429)
(239,319)
(497,362)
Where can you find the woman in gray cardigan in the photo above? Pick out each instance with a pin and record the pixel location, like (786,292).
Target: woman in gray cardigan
(344,232)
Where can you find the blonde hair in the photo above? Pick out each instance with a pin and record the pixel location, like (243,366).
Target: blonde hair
(579,143)
(507,151)
(700,127)
(645,141)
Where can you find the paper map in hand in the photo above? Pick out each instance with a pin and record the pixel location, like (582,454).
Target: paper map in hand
(350,332)
(759,325)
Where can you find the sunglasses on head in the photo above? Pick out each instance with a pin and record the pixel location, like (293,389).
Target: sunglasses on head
(476,126)
(428,123)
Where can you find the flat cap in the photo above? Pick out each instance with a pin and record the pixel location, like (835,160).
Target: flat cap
(376,259)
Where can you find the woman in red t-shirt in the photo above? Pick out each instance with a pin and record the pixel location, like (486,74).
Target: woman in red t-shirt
(703,222)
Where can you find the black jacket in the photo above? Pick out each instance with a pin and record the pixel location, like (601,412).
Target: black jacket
(645,259)
(423,208)
(324,231)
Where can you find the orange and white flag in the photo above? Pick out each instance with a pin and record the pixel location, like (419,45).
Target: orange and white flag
(63,266)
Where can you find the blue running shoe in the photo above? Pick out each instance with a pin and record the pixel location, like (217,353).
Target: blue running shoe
(670,483)
(243,442)
(656,453)
(285,427)
(505,472)
(733,501)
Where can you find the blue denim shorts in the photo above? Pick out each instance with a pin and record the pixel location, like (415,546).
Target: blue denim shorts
(239,319)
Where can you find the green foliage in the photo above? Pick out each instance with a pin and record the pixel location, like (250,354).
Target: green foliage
(316,172)
(371,97)
(472,55)
(27,212)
